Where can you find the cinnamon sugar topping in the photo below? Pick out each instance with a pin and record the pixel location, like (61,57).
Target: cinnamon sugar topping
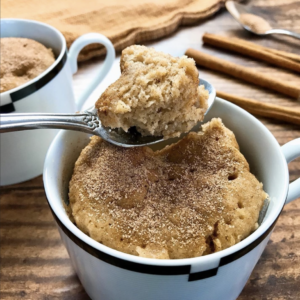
(189,199)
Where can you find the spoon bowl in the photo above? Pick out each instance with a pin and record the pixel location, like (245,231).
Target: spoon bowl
(237,9)
(87,121)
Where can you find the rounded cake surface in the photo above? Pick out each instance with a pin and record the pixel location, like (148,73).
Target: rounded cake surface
(189,199)
(22,59)
(157,93)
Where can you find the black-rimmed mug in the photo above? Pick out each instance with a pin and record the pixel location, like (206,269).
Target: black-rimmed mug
(108,274)
(23,153)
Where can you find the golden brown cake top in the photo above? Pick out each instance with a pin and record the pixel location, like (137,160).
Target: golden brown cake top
(192,198)
(22,60)
(157,93)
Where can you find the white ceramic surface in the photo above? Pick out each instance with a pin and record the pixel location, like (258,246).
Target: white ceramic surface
(107,274)
(23,153)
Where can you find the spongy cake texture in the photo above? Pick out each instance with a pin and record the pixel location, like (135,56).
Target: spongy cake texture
(192,198)
(22,60)
(157,93)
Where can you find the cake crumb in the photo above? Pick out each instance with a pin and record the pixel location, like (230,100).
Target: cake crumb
(157,94)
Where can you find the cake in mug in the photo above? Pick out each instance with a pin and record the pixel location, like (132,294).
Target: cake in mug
(157,93)
(192,198)
(22,59)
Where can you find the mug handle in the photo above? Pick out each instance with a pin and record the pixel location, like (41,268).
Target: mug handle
(76,47)
(291,151)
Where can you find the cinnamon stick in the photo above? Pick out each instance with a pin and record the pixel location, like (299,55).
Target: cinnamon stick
(240,46)
(292,56)
(290,115)
(244,73)
(288,55)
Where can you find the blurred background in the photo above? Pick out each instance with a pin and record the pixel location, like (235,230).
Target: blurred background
(34,263)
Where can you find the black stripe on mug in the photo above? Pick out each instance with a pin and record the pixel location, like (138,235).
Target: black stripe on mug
(35,86)
(7,108)
(161,270)
(203,274)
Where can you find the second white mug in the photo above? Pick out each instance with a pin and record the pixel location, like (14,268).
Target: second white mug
(22,154)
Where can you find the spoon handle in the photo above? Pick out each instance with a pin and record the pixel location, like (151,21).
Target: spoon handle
(284,32)
(83,121)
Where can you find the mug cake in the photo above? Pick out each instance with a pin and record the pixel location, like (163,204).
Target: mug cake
(192,198)
(22,59)
(189,199)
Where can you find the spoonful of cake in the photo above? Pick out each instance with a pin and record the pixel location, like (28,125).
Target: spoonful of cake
(254,23)
(157,97)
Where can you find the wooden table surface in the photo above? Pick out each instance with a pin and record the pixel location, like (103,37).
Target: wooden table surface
(35,264)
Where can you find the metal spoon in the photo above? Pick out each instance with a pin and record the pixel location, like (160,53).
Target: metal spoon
(236,9)
(86,121)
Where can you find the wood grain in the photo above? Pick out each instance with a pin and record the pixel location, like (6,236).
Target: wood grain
(35,264)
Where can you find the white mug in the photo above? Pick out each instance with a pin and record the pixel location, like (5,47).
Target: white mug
(23,153)
(108,274)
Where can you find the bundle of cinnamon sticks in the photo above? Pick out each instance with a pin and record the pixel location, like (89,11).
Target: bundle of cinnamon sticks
(279,58)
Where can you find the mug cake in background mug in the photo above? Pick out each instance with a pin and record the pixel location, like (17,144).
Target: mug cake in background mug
(22,60)
(23,153)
